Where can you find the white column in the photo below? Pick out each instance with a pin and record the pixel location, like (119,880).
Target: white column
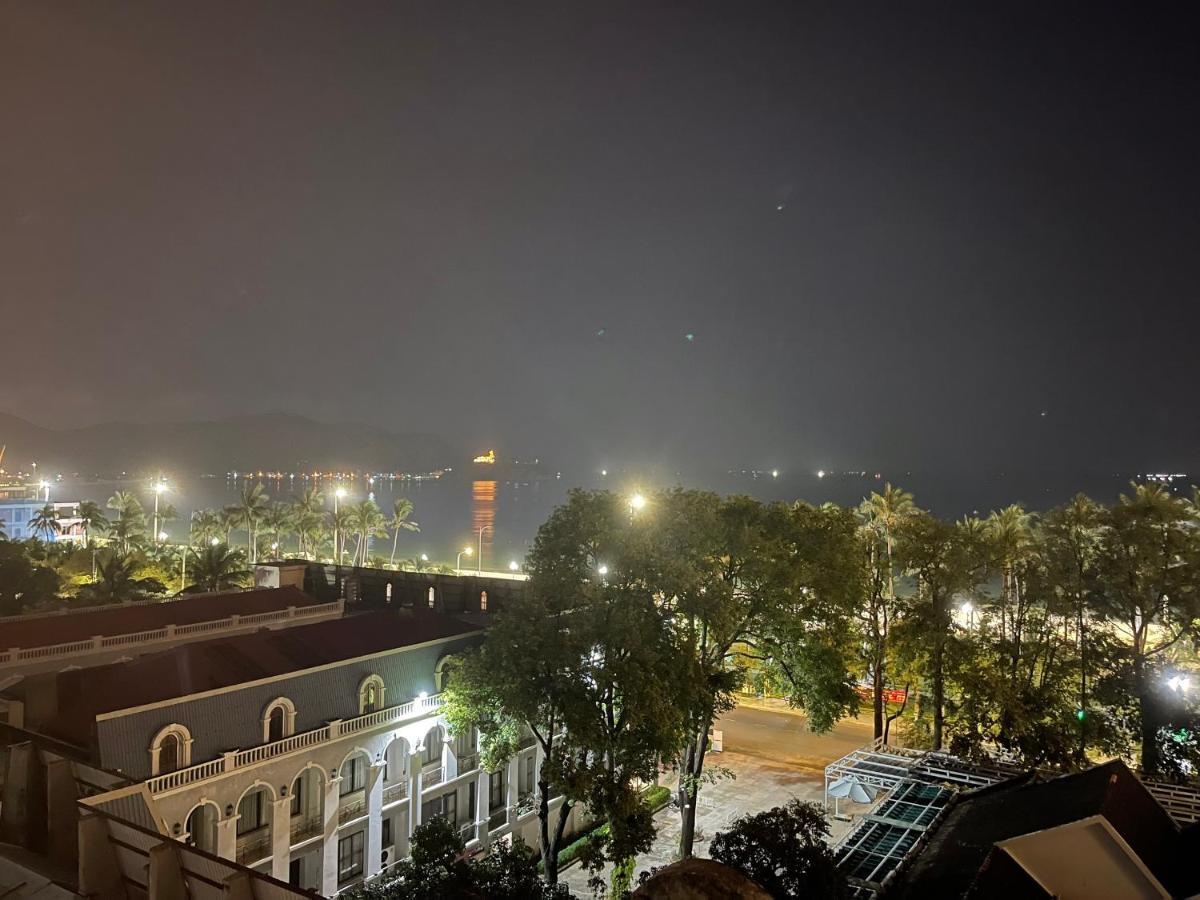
(512,782)
(329,846)
(449,761)
(414,791)
(281,837)
(227,837)
(374,851)
(482,810)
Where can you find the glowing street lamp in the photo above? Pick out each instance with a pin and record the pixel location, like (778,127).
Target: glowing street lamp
(45,486)
(603,569)
(337,495)
(479,562)
(465,551)
(162,536)
(159,487)
(968,609)
(514,566)
(214,542)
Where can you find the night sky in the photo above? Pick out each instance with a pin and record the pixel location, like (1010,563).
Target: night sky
(898,234)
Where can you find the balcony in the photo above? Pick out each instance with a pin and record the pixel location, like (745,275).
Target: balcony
(432,776)
(231,762)
(394,792)
(352,806)
(254,845)
(498,819)
(305,827)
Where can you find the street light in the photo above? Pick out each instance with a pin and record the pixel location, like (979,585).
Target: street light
(337,495)
(968,609)
(162,536)
(465,551)
(479,562)
(159,487)
(214,542)
(514,566)
(603,570)
(1180,684)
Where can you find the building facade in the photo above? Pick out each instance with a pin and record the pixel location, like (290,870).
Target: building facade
(308,753)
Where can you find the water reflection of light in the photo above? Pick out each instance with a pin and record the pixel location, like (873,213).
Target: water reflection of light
(483,515)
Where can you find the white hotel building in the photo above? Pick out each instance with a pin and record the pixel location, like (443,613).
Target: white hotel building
(306,750)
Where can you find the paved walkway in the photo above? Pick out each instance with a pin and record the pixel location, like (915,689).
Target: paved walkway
(759,784)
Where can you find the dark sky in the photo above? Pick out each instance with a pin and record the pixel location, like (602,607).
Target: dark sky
(421,215)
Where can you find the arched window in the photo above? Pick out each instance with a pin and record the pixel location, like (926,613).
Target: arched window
(171,749)
(432,750)
(483,601)
(279,720)
(441,673)
(202,827)
(169,753)
(389,592)
(370,694)
(432,596)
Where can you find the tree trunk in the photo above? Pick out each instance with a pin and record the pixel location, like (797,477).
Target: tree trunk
(395,538)
(877,698)
(1148,715)
(688,791)
(939,695)
(550,841)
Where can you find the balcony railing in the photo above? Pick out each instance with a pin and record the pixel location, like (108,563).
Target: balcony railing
(394,792)
(498,819)
(238,759)
(430,777)
(352,806)
(254,845)
(100,643)
(305,827)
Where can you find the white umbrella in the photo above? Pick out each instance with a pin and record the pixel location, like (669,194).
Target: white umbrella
(852,789)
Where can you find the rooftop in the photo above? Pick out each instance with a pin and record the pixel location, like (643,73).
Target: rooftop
(203,666)
(117,619)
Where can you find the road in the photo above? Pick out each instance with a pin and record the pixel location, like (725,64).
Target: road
(783,737)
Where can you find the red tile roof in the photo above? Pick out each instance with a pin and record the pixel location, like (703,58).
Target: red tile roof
(222,662)
(116,619)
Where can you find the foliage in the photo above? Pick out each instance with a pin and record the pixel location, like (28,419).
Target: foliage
(216,568)
(24,585)
(783,850)
(120,577)
(438,868)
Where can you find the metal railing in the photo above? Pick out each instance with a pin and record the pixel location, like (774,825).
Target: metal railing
(305,827)
(238,759)
(254,845)
(430,777)
(352,806)
(101,642)
(394,792)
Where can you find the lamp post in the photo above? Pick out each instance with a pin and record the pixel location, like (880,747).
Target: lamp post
(969,609)
(465,551)
(337,495)
(636,502)
(514,566)
(159,487)
(479,562)
(45,486)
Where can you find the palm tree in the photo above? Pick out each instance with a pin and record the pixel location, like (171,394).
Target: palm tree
(367,521)
(116,579)
(307,516)
(341,522)
(166,513)
(130,524)
(1010,533)
(277,522)
(3,533)
(217,568)
(93,519)
(230,517)
(45,522)
(402,508)
(206,526)
(251,508)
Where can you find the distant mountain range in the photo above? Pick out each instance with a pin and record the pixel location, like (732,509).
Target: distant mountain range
(275,440)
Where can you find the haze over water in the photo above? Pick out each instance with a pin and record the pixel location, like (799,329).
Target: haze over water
(452,510)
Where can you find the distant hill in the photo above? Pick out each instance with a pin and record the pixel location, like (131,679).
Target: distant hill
(275,440)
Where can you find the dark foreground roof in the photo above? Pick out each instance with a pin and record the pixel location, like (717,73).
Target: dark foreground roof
(117,619)
(207,665)
(956,849)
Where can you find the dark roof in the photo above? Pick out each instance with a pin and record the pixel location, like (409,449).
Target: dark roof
(222,662)
(955,850)
(116,619)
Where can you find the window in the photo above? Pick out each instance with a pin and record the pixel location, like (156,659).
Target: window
(279,720)
(433,748)
(170,750)
(445,806)
(441,673)
(389,592)
(386,831)
(432,597)
(252,812)
(350,856)
(529,761)
(168,753)
(483,601)
(495,791)
(354,775)
(370,694)
(298,796)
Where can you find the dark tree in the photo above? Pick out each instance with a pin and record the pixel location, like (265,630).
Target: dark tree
(784,850)
(23,584)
